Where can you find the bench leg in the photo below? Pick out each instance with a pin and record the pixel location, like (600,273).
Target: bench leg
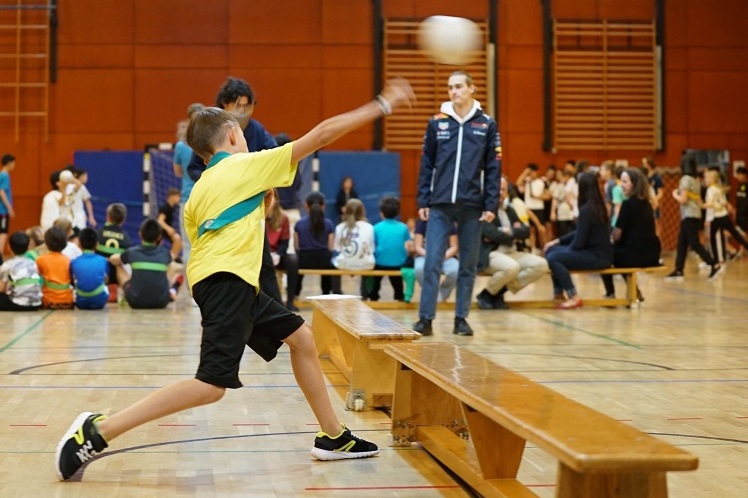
(372,374)
(572,484)
(499,451)
(631,295)
(418,401)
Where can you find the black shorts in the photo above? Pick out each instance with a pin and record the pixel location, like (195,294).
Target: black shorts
(233,316)
(540,213)
(4,224)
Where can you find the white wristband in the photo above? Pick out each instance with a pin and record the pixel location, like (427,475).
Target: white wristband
(385,106)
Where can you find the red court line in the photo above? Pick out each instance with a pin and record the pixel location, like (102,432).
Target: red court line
(248,425)
(741,417)
(625,419)
(687,418)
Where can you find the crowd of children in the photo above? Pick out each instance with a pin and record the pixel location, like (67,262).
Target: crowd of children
(70,265)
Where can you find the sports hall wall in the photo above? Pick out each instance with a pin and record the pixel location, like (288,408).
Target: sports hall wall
(127,69)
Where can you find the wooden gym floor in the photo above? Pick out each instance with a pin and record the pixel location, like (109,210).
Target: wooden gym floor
(676,367)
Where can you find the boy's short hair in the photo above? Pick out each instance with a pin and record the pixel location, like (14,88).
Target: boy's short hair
(35,234)
(532,167)
(54,178)
(55,239)
(8,158)
(88,238)
(206,129)
(174,191)
(150,231)
(741,171)
(64,224)
(19,243)
(116,213)
(390,207)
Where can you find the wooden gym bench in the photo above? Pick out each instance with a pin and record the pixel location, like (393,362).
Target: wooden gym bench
(631,282)
(476,417)
(353,336)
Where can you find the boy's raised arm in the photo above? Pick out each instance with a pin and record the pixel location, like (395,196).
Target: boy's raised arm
(396,93)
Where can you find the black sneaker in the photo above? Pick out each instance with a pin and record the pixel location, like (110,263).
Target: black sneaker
(462,327)
(485,300)
(499,303)
(675,276)
(423,326)
(716,270)
(80,444)
(343,446)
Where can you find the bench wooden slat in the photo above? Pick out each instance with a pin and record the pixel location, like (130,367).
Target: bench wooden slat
(538,414)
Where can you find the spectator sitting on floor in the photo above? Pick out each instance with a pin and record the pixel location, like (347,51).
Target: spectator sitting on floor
(20,283)
(54,268)
(148,287)
(89,272)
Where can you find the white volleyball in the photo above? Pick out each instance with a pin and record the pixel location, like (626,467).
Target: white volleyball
(450,40)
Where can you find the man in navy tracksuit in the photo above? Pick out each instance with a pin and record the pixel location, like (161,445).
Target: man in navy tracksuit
(458,182)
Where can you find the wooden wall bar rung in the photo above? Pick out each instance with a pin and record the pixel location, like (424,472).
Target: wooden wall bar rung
(604,85)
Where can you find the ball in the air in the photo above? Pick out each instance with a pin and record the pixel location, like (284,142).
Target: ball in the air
(449,40)
(66,176)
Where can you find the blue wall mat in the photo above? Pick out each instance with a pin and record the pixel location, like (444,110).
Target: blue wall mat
(375,175)
(115,176)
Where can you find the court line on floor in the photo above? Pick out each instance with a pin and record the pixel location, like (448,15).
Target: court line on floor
(577,329)
(25,332)
(680,290)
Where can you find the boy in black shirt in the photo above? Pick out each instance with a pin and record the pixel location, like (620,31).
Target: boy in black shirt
(148,287)
(166,220)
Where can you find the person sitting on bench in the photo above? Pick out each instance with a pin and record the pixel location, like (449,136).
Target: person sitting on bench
(635,242)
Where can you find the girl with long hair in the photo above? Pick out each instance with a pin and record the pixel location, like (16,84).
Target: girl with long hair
(314,242)
(586,248)
(279,236)
(635,241)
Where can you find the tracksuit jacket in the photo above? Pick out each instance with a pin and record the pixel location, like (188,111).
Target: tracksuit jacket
(465,170)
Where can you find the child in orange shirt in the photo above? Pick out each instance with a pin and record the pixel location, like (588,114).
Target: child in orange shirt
(54,268)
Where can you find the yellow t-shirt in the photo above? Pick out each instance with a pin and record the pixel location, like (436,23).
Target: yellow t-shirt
(236,248)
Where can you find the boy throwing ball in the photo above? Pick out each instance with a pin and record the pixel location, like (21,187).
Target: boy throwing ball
(226,233)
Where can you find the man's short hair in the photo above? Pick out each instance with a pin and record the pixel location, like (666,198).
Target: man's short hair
(532,167)
(232,90)
(150,231)
(206,129)
(19,243)
(174,191)
(55,239)
(88,239)
(116,212)
(468,78)
(8,158)
(390,207)
(742,170)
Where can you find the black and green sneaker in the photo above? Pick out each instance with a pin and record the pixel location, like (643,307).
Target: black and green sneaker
(343,446)
(80,444)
